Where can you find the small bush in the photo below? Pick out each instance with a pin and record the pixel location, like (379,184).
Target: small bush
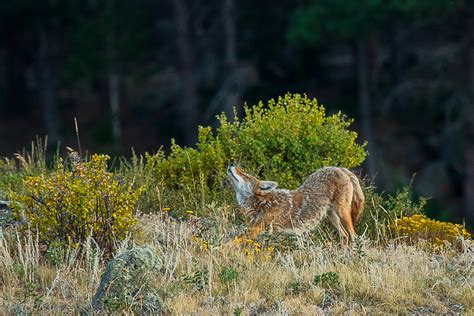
(437,233)
(228,274)
(69,205)
(27,163)
(198,278)
(382,210)
(10,178)
(326,280)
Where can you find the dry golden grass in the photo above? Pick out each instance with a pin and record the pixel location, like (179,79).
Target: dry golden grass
(368,278)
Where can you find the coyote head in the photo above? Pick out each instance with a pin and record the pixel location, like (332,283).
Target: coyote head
(246,185)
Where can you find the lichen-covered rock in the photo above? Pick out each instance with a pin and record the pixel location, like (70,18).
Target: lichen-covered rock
(129,283)
(5,214)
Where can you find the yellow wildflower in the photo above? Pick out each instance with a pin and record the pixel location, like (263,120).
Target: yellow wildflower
(436,232)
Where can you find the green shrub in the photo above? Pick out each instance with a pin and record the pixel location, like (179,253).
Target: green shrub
(69,204)
(382,210)
(28,163)
(228,274)
(288,139)
(198,278)
(326,280)
(283,140)
(10,178)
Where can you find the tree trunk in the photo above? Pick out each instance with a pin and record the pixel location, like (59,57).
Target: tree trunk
(188,99)
(234,94)
(395,46)
(46,87)
(114,96)
(363,91)
(16,94)
(469,127)
(113,80)
(3,79)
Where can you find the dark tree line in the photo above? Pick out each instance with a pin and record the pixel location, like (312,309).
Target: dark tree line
(136,73)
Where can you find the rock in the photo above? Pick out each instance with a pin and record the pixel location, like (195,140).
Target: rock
(129,283)
(5,214)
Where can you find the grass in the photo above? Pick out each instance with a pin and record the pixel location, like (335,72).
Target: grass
(312,277)
(202,274)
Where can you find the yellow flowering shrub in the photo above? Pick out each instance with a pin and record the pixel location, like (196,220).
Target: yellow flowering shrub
(437,233)
(69,204)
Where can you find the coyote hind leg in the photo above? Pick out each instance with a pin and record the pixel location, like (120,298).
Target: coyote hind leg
(336,222)
(340,214)
(346,221)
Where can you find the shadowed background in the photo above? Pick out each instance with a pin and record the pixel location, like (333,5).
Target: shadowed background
(137,73)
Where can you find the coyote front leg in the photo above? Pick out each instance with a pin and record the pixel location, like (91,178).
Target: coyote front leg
(254,231)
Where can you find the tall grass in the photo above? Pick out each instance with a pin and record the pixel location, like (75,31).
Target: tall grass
(32,280)
(308,278)
(201,274)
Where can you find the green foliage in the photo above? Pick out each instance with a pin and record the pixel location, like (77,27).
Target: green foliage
(55,253)
(104,33)
(287,139)
(284,140)
(28,163)
(238,310)
(10,178)
(297,287)
(198,278)
(326,280)
(323,19)
(347,19)
(69,205)
(382,210)
(228,274)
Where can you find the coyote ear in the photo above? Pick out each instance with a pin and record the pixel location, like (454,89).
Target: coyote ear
(267,185)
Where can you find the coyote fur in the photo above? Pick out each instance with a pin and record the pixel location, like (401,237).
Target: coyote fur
(330,191)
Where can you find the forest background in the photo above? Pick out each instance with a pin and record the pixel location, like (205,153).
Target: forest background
(137,73)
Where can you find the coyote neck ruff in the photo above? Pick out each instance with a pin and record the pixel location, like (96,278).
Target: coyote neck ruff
(331,192)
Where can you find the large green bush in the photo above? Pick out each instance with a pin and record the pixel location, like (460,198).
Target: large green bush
(284,140)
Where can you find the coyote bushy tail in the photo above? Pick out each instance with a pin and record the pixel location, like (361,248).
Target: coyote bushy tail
(358,198)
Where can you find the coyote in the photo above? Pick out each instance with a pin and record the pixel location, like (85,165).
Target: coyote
(330,191)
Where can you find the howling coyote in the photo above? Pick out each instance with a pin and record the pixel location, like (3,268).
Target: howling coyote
(330,191)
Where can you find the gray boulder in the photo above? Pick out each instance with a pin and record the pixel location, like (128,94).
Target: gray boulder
(129,283)
(5,214)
